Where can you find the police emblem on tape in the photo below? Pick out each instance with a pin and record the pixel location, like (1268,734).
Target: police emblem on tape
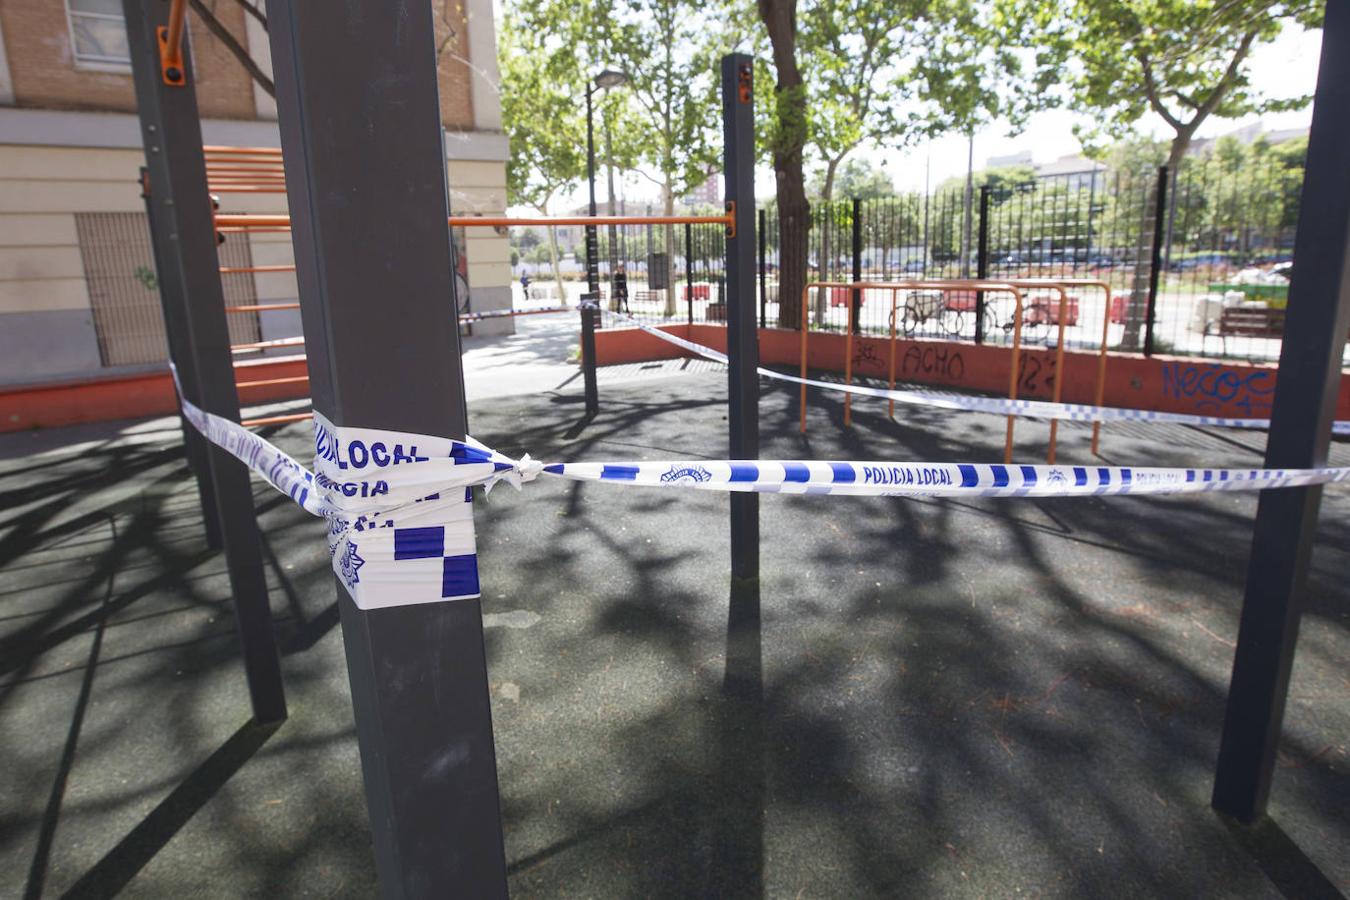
(350,565)
(686,475)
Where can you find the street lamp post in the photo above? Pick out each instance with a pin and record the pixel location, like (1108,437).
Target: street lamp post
(590,306)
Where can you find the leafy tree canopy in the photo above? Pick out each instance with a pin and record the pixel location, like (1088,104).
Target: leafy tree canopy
(1180,60)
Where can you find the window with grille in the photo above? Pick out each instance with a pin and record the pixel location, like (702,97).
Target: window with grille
(119,269)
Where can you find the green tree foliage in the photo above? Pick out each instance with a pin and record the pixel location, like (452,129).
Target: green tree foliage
(1181,60)
(541,81)
(1239,198)
(856,178)
(670,50)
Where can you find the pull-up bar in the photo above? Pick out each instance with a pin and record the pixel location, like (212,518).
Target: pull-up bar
(234,220)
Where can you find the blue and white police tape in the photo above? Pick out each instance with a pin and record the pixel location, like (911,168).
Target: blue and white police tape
(504,313)
(896,479)
(399,505)
(1002,406)
(400,523)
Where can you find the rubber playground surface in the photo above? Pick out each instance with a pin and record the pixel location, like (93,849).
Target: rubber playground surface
(963,698)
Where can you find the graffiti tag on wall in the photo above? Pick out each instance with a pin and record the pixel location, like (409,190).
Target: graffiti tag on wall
(1036,372)
(935,362)
(865,356)
(1210,387)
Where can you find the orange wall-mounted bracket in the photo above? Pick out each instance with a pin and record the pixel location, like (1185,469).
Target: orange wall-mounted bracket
(170,40)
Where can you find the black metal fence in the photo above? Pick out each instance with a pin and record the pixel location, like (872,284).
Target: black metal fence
(1194,265)
(656,273)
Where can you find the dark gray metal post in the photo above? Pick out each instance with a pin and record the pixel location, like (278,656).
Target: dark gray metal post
(1305,402)
(590,302)
(1155,258)
(199,340)
(689,271)
(195,445)
(982,261)
(738,168)
(763,270)
(365,175)
(856,296)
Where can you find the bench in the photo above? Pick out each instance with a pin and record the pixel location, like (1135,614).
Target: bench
(1251,321)
(1043,309)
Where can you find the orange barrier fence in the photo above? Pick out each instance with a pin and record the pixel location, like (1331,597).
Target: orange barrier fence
(1017,287)
(1105,288)
(943,285)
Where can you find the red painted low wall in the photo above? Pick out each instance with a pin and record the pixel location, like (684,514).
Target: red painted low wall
(135,396)
(1166,383)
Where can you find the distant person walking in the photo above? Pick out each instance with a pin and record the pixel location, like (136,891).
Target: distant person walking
(621,288)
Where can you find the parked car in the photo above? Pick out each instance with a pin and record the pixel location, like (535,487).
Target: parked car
(1200,260)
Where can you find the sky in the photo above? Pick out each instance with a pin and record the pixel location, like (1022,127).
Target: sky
(1285,67)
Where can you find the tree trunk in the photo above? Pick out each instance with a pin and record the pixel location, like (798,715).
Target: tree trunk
(1137,309)
(794,213)
(967,203)
(553,260)
(822,306)
(668,238)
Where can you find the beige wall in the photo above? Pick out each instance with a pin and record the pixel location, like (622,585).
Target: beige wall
(42,278)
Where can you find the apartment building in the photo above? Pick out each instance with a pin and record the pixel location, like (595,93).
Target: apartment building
(78,295)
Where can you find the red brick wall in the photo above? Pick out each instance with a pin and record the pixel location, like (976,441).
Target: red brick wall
(452,39)
(42,64)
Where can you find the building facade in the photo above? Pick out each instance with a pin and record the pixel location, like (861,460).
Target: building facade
(78,295)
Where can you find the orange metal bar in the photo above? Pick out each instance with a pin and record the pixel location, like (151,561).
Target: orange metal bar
(801,405)
(239,270)
(244,163)
(234,229)
(890,411)
(276,420)
(171,45)
(270,381)
(241,151)
(283,221)
(848,360)
(261,307)
(267,345)
(1101,372)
